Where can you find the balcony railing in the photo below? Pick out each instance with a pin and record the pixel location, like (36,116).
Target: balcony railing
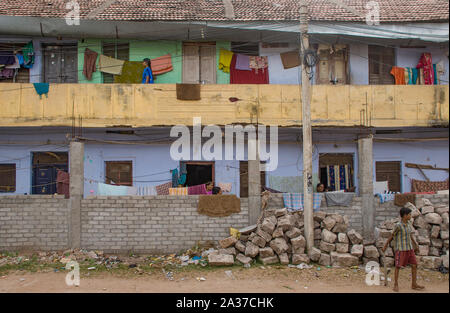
(103,105)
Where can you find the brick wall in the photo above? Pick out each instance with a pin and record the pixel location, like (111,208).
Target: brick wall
(33,222)
(151,224)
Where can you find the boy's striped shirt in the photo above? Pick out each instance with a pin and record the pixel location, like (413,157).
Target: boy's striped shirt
(402,236)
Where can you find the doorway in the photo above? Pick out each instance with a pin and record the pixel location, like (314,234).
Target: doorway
(45,171)
(60,63)
(199,63)
(243,181)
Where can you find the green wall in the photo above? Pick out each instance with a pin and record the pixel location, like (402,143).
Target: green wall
(150,49)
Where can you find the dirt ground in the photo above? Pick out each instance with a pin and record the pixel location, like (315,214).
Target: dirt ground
(253,280)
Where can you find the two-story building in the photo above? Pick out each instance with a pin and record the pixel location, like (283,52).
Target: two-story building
(126,125)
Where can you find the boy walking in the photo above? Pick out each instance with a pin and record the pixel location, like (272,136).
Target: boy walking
(404,247)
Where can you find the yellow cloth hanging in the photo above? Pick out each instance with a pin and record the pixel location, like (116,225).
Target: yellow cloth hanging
(225,60)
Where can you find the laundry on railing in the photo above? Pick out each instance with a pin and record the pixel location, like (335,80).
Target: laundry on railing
(294,201)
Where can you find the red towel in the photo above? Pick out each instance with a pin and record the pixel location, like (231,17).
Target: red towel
(162,64)
(63,183)
(197,190)
(247,77)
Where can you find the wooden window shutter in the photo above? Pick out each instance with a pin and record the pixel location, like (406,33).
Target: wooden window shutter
(381,60)
(7,177)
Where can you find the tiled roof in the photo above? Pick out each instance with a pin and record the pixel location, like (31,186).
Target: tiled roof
(244,10)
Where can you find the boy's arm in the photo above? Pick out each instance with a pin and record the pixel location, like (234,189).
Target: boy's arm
(414,242)
(388,242)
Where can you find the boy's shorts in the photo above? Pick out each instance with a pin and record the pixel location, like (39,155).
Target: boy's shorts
(403,258)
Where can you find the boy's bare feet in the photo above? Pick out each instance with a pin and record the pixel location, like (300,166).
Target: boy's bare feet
(395,288)
(417,287)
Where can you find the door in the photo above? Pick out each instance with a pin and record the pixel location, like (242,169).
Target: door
(199,63)
(332,67)
(243,181)
(60,64)
(391,172)
(44,178)
(381,61)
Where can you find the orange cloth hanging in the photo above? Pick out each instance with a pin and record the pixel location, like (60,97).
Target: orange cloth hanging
(399,75)
(162,64)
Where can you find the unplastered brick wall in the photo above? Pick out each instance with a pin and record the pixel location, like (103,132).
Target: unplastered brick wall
(151,224)
(33,222)
(383,211)
(389,210)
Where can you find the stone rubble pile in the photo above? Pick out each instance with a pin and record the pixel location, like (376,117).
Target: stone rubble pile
(431,224)
(278,237)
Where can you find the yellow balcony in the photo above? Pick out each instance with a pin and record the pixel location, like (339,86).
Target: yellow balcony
(104,105)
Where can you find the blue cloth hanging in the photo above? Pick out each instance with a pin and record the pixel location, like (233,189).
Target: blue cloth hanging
(174,178)
(42,88)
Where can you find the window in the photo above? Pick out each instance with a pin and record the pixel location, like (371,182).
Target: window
(389,171)
(119,173)
(336,171)
(7,177)
(115,50)
(199,173)
(332,66)
(21,75)
(381,60)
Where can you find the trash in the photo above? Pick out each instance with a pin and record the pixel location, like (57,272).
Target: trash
(132,265)
(235,233)
(291,266)
(262,267)
(197,258)
(229,274)
(169,275)
(305,287)
(184,258)
(201,278)
(182,279)
(303,266)
(247,265)
(22,279)
(318,268)
(91,268)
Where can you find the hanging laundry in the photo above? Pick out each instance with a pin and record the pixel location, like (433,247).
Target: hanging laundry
(380,187)
(197,190)
(409,75)
(385,197)
(112,66)
(399,75)
(7,58)
(163,189)
(174,178)
(28,55)
(258,63)
(247,77)
(6,73)
(426,64)
(14,66)
(111,190)
(42,88)
(162,64)
(243,62)
(427,186)
(225,187)
(290,59)
(20,58)
(435,81)
(182,191)
(89,66)
(225,57)
(131,73)
(406,73)
(294,201)
(146,191)
(63,183)
(338,177)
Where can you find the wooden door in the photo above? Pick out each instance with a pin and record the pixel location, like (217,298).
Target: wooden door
(208,64)
(389,171)
(381,60)
(60,64)
(199,63)
(243,181)
(333,66)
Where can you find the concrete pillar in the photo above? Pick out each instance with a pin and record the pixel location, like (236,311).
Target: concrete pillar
(365,177)
(254,186)
(76,170)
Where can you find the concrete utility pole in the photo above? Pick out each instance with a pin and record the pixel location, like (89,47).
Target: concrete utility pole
(307,132)
(76,168)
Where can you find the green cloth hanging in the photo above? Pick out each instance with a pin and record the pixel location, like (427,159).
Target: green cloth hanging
(131,73)
(28,55)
